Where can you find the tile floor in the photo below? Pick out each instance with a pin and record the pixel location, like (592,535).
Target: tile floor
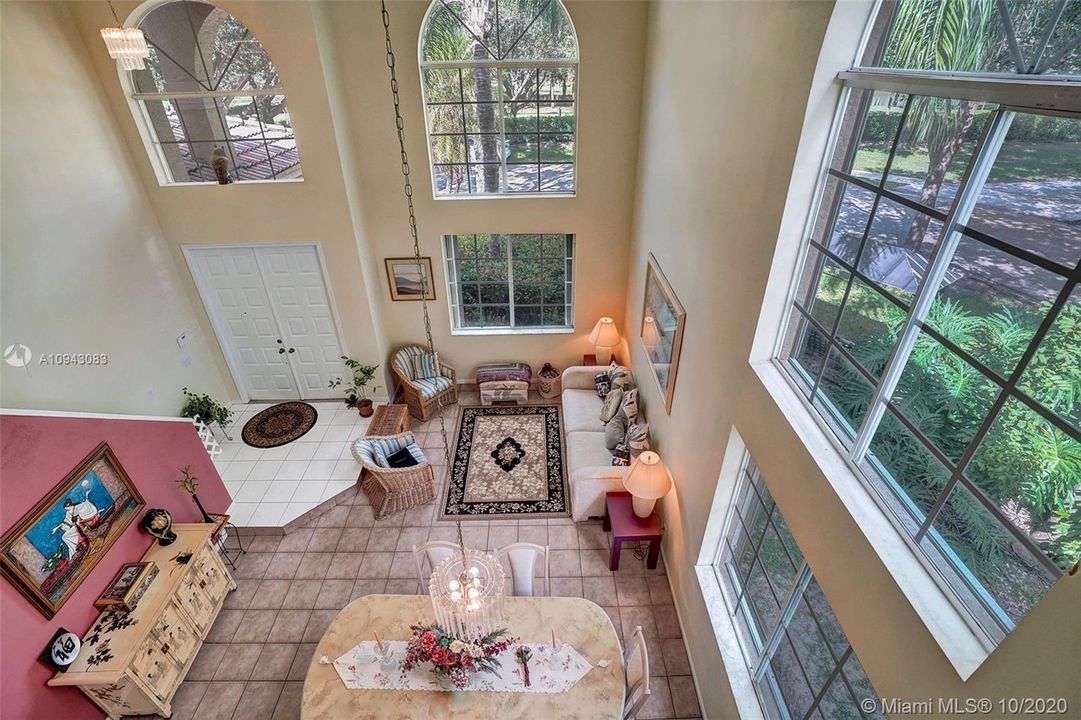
(290,587)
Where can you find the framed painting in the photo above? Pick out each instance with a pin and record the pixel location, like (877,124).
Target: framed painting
(663,318)
(407,281)
(52,549)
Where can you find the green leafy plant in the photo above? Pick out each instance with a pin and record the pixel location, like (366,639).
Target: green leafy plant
(356,387)
(206,408)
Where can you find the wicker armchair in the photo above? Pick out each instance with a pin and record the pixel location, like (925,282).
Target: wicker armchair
(423,396)
(392,490)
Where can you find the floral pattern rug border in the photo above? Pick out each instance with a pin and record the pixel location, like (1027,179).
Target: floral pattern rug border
(557,502)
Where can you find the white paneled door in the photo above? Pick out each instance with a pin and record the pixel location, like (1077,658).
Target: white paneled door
(271,309)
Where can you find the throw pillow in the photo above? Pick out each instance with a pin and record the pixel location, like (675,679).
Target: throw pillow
(401,459)
(425,365)
(637,437)
(611,404)
(603,384)
(629,404)
(621,456)
(616,430)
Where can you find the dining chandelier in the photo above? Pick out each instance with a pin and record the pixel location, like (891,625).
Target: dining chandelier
(467,589)
(127,45)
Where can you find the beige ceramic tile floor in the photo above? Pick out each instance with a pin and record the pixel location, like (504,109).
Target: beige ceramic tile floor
(290,587)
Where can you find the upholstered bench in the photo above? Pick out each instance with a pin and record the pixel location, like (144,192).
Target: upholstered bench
(504,382)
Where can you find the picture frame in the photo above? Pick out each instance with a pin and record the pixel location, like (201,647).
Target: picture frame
(661,332)
(128,585)
(55,546)
(404,281)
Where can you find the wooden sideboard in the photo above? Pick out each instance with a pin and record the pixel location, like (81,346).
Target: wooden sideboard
(131,663)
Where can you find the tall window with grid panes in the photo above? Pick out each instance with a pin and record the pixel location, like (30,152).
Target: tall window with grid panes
(936,323)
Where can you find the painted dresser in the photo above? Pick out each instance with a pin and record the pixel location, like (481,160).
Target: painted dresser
(131,663)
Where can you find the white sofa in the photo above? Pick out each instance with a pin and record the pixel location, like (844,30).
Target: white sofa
(589,463)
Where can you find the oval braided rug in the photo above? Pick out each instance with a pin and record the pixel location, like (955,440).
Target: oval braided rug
(279,424)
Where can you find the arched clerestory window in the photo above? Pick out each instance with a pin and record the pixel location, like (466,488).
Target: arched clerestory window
(210,100)
(500,86)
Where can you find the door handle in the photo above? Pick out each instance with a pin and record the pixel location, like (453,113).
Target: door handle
(281,350)
(292,350)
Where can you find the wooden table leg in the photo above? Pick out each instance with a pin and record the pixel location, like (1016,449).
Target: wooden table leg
(654,553)
(606,523)
(617,546)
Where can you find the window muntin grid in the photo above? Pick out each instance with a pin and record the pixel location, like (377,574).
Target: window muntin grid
(800,660)
(518,282)
(208,84)
(500,102)
(946,495)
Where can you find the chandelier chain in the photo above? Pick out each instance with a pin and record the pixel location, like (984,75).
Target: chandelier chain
(424,279)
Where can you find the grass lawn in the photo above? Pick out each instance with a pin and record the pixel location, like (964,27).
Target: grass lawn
(1016,161)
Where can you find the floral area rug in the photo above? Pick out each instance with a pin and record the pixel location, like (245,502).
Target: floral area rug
(508,463)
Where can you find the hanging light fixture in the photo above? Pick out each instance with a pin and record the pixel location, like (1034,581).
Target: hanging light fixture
(467,588)
(128,45)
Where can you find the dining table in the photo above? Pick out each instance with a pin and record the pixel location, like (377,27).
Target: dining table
(599,695)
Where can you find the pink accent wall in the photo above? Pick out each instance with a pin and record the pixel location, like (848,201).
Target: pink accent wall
(35,454)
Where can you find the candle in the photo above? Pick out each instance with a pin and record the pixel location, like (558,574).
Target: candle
(378,642)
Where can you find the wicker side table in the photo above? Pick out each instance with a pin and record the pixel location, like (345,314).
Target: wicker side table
(389,420)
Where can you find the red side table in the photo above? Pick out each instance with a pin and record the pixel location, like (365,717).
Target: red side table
(619,518)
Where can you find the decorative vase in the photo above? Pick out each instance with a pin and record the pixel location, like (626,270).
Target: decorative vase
(546,381)
(158,523)
(364,407)
(206,518)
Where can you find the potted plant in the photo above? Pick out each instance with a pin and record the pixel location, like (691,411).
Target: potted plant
(206,409)
(188,483)
(356,389)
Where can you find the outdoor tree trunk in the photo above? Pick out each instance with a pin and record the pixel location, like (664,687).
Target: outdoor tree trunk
(942,150)
(478,17)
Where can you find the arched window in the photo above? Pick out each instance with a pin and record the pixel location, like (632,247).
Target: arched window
(500,80)
(210,92)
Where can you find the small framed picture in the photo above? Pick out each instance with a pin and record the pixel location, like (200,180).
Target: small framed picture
(129,585)
(408,280)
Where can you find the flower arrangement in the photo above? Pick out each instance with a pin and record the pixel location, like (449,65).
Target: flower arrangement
(453,658)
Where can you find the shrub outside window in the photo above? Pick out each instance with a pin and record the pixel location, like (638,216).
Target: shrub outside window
(210,86)
(510,282)
(500,94)
(937,318)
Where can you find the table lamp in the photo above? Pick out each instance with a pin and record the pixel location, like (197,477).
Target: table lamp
(650,337)
(647,480)
(605,336)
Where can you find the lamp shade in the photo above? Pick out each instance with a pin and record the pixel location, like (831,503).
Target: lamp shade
(605,334)
(648,477)
(650,336)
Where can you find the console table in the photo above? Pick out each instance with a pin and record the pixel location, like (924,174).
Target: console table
(625,526)
(131,663)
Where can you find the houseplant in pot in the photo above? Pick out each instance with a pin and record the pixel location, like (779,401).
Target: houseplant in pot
(206,408)
(189,483)
(356,388)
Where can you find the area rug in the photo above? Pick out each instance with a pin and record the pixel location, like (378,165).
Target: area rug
(508,463)
(279,424)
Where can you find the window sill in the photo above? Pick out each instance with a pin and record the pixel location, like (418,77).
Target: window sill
(964,645)
(512,331)
(735,665)
(507,196)
(283,181)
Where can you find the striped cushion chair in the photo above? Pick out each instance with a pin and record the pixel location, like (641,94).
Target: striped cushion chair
(423,395)
(392,490)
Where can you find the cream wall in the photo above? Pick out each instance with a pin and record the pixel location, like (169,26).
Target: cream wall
(86,267)
(727,89)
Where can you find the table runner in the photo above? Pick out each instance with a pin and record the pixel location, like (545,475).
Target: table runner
(549,672)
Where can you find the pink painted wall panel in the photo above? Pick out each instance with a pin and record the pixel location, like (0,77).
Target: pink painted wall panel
(35,454)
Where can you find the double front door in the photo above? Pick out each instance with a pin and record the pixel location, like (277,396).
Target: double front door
(271,310)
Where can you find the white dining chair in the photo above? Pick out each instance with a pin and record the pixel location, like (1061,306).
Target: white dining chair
(522,559)
(636,662)
(431,554)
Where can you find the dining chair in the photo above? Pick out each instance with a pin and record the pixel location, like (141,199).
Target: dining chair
(636,662)
(432,553)
(522,558)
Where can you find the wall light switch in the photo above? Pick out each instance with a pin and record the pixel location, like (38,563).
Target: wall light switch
(182,341)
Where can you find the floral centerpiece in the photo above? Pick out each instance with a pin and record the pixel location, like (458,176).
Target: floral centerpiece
(453,658)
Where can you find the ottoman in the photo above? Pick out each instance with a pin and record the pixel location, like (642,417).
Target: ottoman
(504,382)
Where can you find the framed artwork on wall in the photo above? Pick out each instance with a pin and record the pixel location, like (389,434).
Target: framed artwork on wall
(51,550)
(663,318)
(406,282)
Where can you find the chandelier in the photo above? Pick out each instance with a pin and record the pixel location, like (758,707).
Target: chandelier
(467,588)
(127,45)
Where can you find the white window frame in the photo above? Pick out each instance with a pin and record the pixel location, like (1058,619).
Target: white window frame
(499,66)
(454,304)
(964,641)
(136,104)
